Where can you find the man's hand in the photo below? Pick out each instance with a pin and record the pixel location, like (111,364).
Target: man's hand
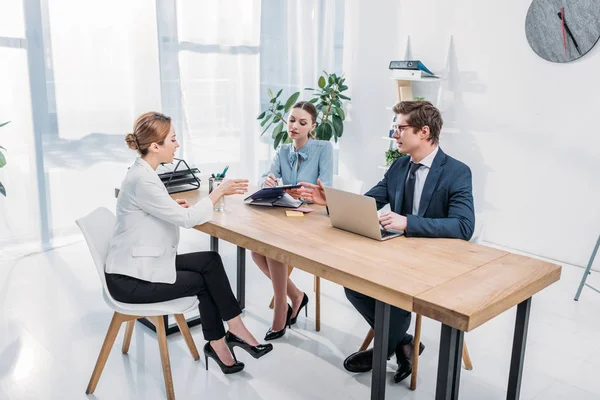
(270,181)
(294,193)
(183,203)
(391,220)
(313,193)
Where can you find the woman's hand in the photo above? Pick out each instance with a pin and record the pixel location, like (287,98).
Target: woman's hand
(229,187)
(233,186)
(270,181)
(183,203)
(313,193)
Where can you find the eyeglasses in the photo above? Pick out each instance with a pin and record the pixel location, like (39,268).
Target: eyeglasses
(400,128)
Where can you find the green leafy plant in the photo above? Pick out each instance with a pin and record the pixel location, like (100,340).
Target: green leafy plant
(2,162)
(391,155)
(328,99)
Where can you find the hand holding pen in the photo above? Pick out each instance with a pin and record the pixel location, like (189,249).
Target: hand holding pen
(270,181)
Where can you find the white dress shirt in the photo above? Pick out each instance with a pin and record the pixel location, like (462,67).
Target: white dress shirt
(420,177)
(144,244)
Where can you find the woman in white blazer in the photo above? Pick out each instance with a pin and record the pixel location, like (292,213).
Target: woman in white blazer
(143,265)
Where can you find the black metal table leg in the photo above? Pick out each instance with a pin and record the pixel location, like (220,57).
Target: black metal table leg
(241,277)
(518,352)
(449,363)
(214,244)
(173,328)
(382,333)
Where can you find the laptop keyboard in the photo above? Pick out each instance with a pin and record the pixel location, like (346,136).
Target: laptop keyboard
(385,234)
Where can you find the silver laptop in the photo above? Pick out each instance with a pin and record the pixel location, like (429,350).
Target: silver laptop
(357,214)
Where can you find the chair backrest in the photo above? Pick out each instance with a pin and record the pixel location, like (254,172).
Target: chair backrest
(479,225)
(347,185)
(98,228)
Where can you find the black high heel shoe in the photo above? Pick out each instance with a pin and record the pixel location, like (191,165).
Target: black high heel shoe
(255,351)
(302,305)
(226,369)
(272,335)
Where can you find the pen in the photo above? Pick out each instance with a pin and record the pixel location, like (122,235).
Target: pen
(225,171)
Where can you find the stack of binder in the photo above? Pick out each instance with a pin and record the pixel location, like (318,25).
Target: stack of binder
(410,69)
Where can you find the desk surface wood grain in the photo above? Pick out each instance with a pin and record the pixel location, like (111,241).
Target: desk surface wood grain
(458,283)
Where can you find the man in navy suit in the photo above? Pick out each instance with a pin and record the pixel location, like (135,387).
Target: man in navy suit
(430,195)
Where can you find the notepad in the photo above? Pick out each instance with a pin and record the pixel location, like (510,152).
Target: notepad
(294,214)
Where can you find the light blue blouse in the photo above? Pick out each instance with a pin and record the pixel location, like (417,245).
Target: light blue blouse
(317,163)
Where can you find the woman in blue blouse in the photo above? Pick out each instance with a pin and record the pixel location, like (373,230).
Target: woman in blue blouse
(303,160)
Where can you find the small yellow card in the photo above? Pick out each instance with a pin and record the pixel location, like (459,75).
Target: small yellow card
(294,214)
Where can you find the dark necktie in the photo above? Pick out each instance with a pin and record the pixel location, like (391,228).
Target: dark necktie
(409,189)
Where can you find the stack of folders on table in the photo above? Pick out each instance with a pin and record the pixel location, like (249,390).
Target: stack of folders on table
(274,197)
(182,178)
(410,69)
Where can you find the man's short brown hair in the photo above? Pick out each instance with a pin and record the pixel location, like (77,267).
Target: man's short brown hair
(420,114)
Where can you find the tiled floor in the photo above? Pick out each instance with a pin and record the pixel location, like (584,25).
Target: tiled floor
(53,321)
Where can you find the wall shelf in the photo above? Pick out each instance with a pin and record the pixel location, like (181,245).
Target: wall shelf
(418,79)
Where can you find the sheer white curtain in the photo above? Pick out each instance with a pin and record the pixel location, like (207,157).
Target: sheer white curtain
(74,76)
(78,74)
(219,70)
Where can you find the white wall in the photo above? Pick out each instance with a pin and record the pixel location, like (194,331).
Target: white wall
(526,127)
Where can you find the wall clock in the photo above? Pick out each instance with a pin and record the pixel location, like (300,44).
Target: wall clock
(562,30)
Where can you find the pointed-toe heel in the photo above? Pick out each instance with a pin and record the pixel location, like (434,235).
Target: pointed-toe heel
(226,369)
(302,305)
(272,335)
(255,351)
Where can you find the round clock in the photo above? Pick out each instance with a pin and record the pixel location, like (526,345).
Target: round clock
(563,30)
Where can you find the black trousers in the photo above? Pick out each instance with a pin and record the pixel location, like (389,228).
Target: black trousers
(198,274)
(399,318)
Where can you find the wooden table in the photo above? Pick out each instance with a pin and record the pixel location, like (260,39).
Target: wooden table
(458,283)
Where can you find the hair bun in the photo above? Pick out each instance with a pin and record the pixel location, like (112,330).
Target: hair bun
(131,141)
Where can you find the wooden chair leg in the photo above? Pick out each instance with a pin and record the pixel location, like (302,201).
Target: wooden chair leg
(159,322)
(466,358)
(368,339)
(415,361)
(272,303)
(127,337)
(109,340)
(187,336)
(318,303)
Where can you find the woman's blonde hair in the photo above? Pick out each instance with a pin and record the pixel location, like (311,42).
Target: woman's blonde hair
(151,127)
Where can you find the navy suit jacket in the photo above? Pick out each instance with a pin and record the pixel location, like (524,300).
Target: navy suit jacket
(446,208)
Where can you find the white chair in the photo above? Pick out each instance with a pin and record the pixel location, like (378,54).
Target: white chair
(98,228)
(479,227)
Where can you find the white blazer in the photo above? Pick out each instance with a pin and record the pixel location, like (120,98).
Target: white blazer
(144,244)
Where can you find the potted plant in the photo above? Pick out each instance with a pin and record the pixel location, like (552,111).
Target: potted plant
(391,155)
(2,162)
(328,101)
